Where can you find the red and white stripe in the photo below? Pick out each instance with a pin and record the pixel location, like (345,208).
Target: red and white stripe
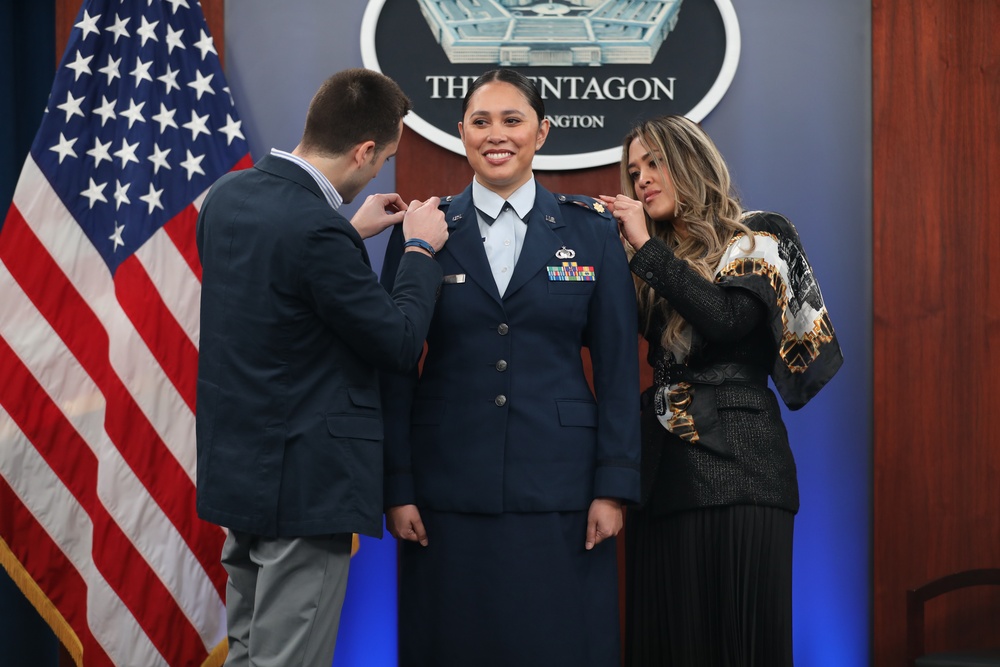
(97,434)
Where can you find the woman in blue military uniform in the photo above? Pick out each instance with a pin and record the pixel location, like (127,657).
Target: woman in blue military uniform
(505,472)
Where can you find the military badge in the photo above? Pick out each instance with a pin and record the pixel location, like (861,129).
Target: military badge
(569,271)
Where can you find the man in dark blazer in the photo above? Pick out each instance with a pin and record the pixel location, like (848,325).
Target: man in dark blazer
(294,330)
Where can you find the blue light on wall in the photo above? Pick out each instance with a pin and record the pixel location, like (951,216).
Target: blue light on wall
(367,635)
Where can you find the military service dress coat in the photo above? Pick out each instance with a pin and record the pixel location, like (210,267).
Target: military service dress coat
(502,418)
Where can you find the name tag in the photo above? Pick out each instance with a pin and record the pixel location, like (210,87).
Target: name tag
(453,279)
(570,271)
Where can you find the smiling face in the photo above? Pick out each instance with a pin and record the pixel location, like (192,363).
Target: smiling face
(501,133)
(651,182)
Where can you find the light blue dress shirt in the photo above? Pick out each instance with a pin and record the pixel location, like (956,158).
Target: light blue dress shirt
(504,237)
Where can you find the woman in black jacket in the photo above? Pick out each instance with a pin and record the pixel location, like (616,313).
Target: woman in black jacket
(726,299)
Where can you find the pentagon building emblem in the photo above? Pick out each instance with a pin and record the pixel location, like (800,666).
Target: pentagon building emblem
(600,65)
(516,33)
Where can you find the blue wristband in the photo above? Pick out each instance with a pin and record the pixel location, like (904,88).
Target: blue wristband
(420,243)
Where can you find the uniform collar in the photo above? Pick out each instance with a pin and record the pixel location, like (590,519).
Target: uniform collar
(490,203)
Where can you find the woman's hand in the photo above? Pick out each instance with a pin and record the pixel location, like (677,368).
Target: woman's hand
(631,218)
(604,520)
(404,523)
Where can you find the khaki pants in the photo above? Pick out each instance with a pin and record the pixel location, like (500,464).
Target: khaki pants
(283,598)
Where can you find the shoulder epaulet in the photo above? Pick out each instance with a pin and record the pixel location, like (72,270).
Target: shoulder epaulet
(446,201)
(586,202)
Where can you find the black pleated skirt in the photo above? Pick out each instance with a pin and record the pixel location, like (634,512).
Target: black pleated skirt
(508,590)
(709,588)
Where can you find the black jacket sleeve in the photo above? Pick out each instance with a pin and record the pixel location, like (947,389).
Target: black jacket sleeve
(718,313)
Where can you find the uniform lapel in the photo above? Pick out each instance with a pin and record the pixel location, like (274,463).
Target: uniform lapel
(540,241)
(465,244)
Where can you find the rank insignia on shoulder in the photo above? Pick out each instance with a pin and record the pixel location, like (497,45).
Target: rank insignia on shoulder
(569,271)
(586,202)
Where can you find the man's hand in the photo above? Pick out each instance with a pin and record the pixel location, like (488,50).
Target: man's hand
(424,220)
(403,522)
(378,212)
(604,520)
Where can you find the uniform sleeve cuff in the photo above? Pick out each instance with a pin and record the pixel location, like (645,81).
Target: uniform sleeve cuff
(617,482)
(399,490)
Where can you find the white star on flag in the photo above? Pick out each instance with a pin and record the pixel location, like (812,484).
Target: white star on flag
(118,29)
(231,129)
(202,84)
(64,148)
(192,164)
(121,194)
(159,158)
(116,236)
(106,111)
(153,198)
(71,106)
(88,24)
(197,125)
(174,40)
(111,69)
(141,71)
(148,30)
(127,152)
(80,66)
(169,79)
(134,113)
(94,193)
(100,152)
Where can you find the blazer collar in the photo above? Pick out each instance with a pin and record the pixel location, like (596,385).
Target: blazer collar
(290,171)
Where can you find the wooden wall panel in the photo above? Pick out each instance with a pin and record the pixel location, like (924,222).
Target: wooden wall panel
(936,246)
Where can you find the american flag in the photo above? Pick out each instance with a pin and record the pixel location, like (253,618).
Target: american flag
(99,303)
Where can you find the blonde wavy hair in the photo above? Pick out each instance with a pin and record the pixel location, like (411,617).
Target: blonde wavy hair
(707,208)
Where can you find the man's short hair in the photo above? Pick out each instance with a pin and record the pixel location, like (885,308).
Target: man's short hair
(351,107)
